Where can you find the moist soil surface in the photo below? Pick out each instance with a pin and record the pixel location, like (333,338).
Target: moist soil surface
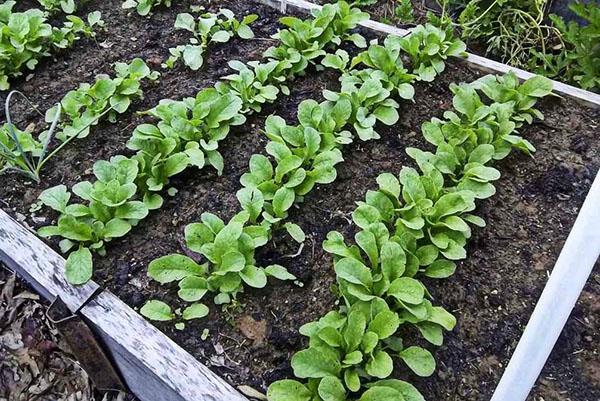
(492,294)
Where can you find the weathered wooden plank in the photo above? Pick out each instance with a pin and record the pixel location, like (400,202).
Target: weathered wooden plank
(154,367)
(43,268)
(485,64)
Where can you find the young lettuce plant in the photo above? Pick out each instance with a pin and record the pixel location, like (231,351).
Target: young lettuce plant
(370,102)
(72,118)
(347,349)
(188,134)
(304,156)
(27,37)
(229,248)
(428,47)
(506,91)
(110,212)
(255,84)
(305,40)
(385,62)
(208,28)
(330,389)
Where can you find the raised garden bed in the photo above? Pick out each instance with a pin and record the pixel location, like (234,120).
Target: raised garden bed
(492,293)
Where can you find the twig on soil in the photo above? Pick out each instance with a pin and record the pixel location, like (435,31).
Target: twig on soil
(297,252)
(583,323)
(239,343)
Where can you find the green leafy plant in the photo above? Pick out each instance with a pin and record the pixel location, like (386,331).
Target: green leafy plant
(72,118)
(27,37)
(230,250)
(383,63)
(188,134)
(370,102)
(67,6)
(428,46)
(404,11)
(110,213)
(305,40)
(579,59)
(356,344)
(208,28)
(414,225)
(255,84)
(143,7)
(304,155)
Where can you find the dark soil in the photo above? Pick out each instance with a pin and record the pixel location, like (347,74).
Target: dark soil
(492,294)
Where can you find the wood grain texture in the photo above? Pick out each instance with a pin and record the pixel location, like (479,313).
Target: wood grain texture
(585,97)
(43,268)
(154,367)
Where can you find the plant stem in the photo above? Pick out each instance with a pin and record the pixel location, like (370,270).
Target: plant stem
(62,145)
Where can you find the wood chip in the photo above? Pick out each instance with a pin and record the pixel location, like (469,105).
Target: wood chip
(252,393)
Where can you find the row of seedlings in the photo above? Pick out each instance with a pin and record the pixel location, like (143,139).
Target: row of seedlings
(414,227)
(207,28)
(302,156)
(187,134)
(72,118)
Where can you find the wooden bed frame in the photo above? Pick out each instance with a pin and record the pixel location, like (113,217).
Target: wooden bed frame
(151,364)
